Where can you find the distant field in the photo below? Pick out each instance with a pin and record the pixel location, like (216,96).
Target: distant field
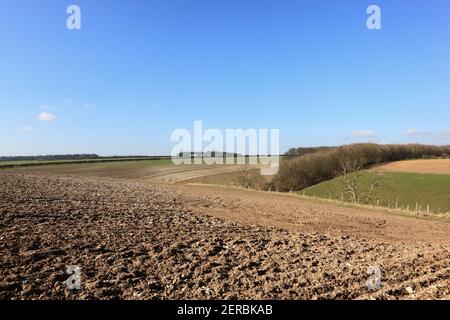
(25,163)
(246,178)
(418,166)
(224,179)
(100,168)
(402,189)
(162,170)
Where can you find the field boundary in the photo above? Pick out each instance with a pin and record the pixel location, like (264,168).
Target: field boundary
(423,215)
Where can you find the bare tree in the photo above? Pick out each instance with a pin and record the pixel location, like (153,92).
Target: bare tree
(250,178)
(351,172)
(377,181)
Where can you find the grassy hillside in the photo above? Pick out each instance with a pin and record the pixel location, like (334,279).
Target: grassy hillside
(398,188)
(298,173)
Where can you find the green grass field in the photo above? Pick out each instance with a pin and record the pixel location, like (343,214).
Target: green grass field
(402,189)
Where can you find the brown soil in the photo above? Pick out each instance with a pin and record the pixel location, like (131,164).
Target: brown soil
(290,212)
(418,166)
(155,173)
(135,240)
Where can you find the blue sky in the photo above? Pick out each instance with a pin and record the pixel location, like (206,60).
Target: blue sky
(137,70)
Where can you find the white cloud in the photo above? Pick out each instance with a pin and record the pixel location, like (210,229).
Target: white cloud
(416,132)
(25,129)
(412,132)
(364,134)
(46,117)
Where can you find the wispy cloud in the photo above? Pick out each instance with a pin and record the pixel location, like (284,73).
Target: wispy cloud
(434,135)
(46,117)
(364,134)
(25,129)
(417,132)
(412,132)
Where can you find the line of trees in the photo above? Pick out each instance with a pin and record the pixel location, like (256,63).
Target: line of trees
(297,173)
(51,157)
(69,157)
(295,152)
